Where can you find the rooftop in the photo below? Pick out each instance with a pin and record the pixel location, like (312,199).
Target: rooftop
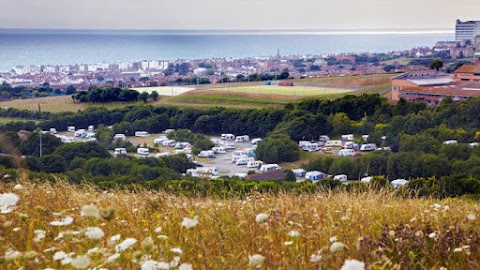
(276,174)
(456,89)
(468,69)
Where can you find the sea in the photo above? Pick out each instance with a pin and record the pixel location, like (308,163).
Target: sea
(20,47)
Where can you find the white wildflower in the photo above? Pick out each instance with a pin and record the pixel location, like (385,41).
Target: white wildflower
(185,266)
(458,250)
(190,222)
(93,250)
(59,255)
(175,261)
(18,187)
(125,244)
(333,239)
(316,257)
(11,255)
(437,206)
(39,235)
(294,233)
(149,265)
(391,233)
(81,262)
(432,235)
(337,246)
(163,265)
(288,243)
(344,218)
(17,229)
(90,211)
(94,233)
(158,229)
(446,208)
(353,265)
(261,217)
(113,257)
(176,250)
(7,202)
(256,260)
(64,222)
(163,237)
(471,217)
(115,238)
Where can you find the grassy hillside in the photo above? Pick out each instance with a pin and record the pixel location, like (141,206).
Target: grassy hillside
(51,227)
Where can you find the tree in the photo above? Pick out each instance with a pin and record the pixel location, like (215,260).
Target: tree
(143,96)
(278,147)
(53,164)
(154,95)
(436,64)
(289,176)
(70,90)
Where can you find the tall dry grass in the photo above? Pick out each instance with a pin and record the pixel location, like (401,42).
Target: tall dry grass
(379,229)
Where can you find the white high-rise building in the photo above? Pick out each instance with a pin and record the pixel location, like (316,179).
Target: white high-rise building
(467,30)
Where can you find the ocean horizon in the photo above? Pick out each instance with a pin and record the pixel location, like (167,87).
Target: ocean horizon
(20,47)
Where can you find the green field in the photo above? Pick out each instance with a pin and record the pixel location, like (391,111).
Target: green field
(6,120)
(285,90)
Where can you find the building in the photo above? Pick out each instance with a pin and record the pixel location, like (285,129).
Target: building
(418,79)
(470,73)
(271,175)
(467,30)
(433,95)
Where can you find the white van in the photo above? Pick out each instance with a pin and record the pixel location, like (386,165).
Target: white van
(118,137)
(243,138)
(269,167)
(120,151)
(346,152)
(143,151)
(141,134)
(333,143)
(341,177)
(368,147)
(219,150)
(254,164)
(256,141)
(71,128)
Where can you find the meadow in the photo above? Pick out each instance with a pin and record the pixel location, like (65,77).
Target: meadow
(286,90)
(62,226)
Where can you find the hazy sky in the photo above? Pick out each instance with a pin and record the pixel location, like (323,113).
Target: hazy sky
(235,14)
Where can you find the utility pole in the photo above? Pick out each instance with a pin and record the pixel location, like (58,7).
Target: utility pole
(41,143)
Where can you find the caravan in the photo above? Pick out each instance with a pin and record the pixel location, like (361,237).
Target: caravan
(315,175)
(346,153)
(120,151)
(299,173)
(333,143)
(80,133)
(324,138)
(348,137)
(141,134)
(243,138)
(143,151)
(243,161)
(269,167)
(71,128)
(160,140)
(228,137)
(219,150)
(53,131)
(206,154)
(117,137)
(254,164)
(256,141)
(368,147)
(91,128)
(341,177)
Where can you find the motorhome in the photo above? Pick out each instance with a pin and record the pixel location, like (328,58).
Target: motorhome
(160,140)
(368,147)
(120,151)
(120,137)
(243,138)
(141,134)
(333,143)
(346,152)
(254,164)
(71,128)
(53,131)
(311,147)
(256,141)
(348,137)
(219,150)
(228,137)
(91,128)
(80,133)
(269,167)
(229,146)
(341,177)
(207,171)
(206,154)
(143,151)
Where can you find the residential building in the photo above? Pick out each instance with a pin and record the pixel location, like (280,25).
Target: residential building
(467,73)
(433,95)
(467,30)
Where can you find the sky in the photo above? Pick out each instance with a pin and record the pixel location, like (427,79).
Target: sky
(236,14)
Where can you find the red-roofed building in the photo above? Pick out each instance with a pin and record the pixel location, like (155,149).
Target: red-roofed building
(468,73)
